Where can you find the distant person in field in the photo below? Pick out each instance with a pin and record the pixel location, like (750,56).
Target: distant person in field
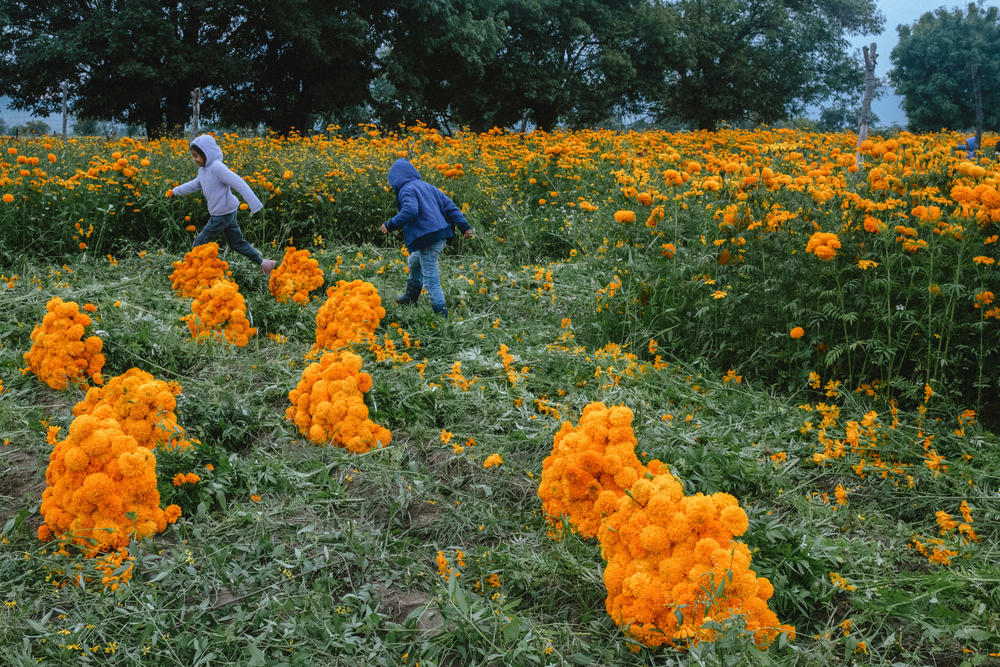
(969,147)
(216,181)
(427,217)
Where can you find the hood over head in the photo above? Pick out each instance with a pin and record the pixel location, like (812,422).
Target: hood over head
(206,144)
(402,172)
(971,142)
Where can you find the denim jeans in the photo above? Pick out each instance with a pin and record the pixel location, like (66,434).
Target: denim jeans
(227,226)
(423,265)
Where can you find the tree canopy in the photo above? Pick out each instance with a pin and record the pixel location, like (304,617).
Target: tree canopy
(480,63)
(756,60)
(932,67)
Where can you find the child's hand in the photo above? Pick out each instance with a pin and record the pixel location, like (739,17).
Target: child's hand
(467,233)
(384,229)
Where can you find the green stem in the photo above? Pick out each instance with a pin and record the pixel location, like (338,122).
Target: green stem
(930,307)
(843,322)
(945,342)
(979,362)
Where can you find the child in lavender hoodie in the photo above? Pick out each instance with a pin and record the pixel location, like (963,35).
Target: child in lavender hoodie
(216,181)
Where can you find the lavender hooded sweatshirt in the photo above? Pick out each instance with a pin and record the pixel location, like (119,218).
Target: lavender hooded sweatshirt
(217,181)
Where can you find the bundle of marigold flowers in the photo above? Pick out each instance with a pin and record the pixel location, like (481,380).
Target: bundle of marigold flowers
(296,276)
(328,404)
(200,268)
(590,467)
(101,489)
(59,353)
(351,313)
(824,245)
(144,407)
(672,563)
(673,566)
(220,312)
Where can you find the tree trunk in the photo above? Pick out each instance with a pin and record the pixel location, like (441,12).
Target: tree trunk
(977,102)
(195,112)
(176,107)
(65,107)
(866,105)
(545,116)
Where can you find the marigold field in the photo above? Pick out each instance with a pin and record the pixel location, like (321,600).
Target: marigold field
(705,397)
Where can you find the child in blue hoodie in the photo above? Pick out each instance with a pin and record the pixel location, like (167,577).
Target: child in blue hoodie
(427,217)
(216,181)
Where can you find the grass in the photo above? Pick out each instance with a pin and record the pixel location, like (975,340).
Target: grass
(336,561)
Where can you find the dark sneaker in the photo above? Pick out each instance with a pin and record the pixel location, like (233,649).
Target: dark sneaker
(406,299)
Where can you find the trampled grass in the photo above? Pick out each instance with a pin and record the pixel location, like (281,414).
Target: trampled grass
(289,553)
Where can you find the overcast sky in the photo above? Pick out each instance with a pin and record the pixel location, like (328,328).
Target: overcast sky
(887,108)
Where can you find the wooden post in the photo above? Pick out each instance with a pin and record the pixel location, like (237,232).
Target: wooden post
(866,104)
(65,106)
(195,112)
(977,102)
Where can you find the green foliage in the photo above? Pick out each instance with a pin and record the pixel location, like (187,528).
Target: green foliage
(338,555)
(932,67)
(113,61)
(762,61)
(473,63)
(300,59)
(289,553)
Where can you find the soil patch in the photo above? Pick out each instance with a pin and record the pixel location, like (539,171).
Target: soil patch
(399,605)
(22,483)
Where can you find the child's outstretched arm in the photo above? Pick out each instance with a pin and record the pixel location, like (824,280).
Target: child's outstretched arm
(408,210)
(184,189)
(456,218)
(234,181)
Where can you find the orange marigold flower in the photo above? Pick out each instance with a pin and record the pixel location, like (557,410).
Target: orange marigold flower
(824,245)
(143,406)
(106,509)
(219,312)
(59,353)
(492,461)
(296,276)
(328,404)
(797,332)
(200,268)
(351,313)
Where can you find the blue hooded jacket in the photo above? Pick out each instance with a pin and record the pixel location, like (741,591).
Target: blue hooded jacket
(970,147)
(426,214)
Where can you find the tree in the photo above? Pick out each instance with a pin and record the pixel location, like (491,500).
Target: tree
(564,61)
(932,67)
(37,127)
(305,59)
(486,63)
(134,62)
(86,127)
(433,62)
(757,60)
